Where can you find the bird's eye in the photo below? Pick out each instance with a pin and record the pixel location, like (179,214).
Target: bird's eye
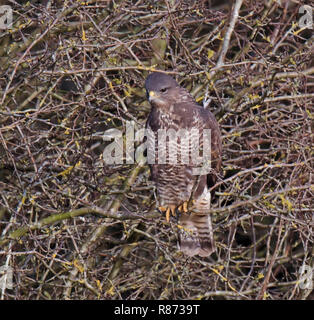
(163,90)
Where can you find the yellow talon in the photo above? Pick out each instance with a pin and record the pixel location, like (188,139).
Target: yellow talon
(168,215)
(171,209)
(183,207)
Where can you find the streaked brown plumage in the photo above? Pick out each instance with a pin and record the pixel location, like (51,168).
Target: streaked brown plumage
(178,190)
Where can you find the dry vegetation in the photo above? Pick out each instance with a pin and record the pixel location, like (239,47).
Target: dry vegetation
(74,227)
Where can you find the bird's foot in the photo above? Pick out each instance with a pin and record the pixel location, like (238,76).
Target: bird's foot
(171,208)
(184,206)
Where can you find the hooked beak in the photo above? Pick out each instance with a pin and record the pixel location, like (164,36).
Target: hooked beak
(152,95)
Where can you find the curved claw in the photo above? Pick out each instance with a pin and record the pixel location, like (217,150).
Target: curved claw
(171,209)
(183,207)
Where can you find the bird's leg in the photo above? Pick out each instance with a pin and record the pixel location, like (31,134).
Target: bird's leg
(183,207)
(162,209)
(172,209)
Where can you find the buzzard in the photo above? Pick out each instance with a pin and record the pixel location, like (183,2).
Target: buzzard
(179,190)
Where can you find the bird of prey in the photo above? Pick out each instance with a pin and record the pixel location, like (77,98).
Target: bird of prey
(179,190)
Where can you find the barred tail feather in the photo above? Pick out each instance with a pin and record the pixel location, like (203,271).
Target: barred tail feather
(196,235)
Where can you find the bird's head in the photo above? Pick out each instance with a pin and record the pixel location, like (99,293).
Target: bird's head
(161,89)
